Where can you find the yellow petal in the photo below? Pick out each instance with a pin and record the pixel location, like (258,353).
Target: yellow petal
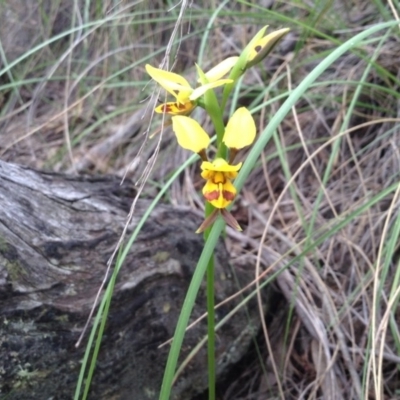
(170,81)
(198,92)
(219,165)
(221,69)
(207,174)
(175,108)
(190,134)
(241,129)
(264,46)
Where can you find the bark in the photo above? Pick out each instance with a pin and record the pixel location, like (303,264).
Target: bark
(56,235)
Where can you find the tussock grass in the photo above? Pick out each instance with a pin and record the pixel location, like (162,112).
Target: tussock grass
(320,207)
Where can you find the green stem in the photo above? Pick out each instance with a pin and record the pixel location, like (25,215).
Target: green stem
(216,115)
(211,329)
(210,313)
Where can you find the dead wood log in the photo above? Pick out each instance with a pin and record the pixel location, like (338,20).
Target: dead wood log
(56,235)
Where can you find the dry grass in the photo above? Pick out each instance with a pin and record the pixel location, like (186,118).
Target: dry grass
(335,303)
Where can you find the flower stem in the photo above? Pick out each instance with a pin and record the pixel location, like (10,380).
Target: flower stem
(210,312)
(211,329)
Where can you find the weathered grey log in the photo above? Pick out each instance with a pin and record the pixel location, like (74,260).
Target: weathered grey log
(56,235)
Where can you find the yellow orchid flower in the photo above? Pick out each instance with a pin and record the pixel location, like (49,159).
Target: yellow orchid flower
(218,189)
(180,88)
(263,46)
